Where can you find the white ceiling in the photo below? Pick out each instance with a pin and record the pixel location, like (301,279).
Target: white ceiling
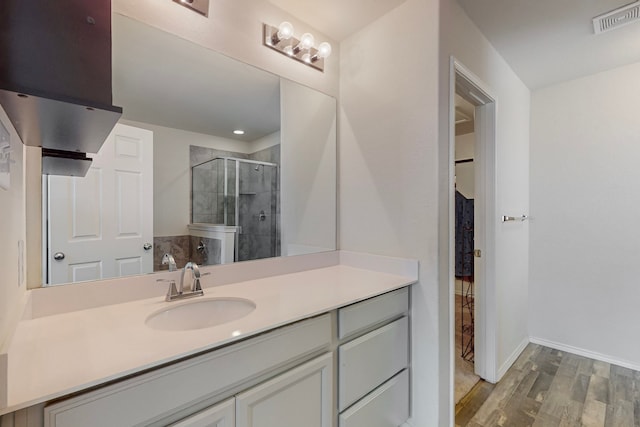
(337,19)
(152,84)
(549,41)
(161,79)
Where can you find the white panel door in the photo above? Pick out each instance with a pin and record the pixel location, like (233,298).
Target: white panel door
(220,415)
(298,398)
(100,223)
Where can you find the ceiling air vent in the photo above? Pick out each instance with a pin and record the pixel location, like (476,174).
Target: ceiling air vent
(617,18)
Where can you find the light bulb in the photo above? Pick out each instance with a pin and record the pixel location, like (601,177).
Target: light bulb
(288,50)
(306,57)
(306,41)
(285,31)
(324,50)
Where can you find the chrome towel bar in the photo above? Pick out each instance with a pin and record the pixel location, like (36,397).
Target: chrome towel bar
(514,218)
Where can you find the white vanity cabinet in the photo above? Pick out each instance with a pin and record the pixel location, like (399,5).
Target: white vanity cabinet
(299,397)
(177,391)
(346,368)
(373,362)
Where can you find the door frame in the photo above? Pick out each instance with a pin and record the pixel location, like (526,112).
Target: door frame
(485,333)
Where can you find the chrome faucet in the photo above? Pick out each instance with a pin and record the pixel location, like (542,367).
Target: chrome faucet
(196,289)
(167,259)
(176,293)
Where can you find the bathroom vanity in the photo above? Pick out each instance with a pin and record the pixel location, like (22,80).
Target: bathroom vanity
(323,347)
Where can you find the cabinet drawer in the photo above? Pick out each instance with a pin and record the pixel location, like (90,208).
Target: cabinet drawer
(370,360)
(387,406)
(153,396)
(360,316)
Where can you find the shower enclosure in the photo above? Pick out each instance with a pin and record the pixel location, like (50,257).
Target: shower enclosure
(239,192)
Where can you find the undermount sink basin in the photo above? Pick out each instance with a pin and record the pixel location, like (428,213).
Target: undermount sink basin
(199,314)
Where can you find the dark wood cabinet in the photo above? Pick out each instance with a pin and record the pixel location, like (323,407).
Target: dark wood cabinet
(55,72)
(58,48)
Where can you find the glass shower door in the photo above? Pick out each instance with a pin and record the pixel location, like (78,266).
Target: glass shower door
(257,211)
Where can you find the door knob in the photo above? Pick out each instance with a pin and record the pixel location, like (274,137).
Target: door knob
(147,246)
(58,256)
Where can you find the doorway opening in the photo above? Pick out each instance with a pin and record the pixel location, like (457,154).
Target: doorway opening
(464,185)
(472,232)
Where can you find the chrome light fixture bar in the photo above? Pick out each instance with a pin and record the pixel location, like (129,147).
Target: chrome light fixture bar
(200,6)
(281,39)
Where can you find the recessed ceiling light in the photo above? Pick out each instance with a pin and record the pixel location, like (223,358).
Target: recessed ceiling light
(238,132)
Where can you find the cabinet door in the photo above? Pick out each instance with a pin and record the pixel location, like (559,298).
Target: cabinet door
(220,415)
(300,397)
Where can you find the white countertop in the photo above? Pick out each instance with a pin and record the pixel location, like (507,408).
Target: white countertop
(59,354)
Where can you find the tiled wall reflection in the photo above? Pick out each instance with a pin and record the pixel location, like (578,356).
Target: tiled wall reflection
(258,198)
(201,250)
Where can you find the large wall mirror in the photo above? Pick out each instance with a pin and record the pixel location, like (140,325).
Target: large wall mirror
(214,161)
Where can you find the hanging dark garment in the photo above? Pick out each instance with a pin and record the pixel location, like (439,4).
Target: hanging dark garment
(464,236)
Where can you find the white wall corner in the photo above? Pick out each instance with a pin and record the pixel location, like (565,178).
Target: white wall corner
(586,353)
(381,264)
(512,358)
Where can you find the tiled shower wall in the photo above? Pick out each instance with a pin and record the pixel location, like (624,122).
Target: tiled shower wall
(260,206)
(185,249)
(207,205)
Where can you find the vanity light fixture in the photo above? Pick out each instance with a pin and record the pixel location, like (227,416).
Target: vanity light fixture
(285,32)
(200,6)
(281,39)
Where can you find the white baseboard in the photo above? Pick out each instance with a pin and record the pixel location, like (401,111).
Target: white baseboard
(586,353)
(512,358)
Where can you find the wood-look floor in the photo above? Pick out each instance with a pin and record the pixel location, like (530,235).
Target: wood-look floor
(549,388)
